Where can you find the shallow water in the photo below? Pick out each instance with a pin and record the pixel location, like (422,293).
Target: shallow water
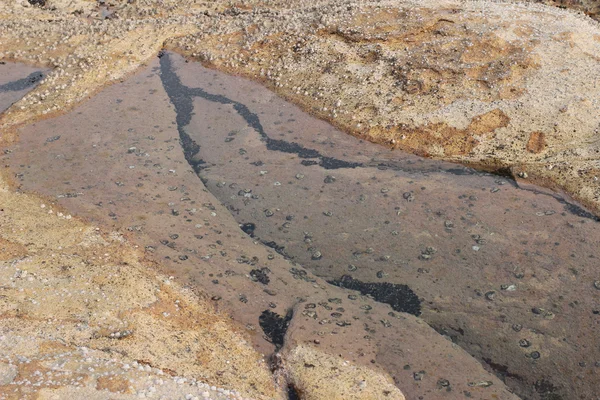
(506,273)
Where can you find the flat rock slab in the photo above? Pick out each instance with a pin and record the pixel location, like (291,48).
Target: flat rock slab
(498,85)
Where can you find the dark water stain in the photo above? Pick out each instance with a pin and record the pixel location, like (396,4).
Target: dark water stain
(275,326)
(571,208)
(182,98)
(183,103)
(22,84)
(502,370)
(400,297)
(547,390)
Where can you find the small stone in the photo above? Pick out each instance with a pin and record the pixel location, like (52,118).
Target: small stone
(418,376)
(524,343)
(443,383)
(508,288)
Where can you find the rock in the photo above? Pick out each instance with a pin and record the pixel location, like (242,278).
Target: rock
(318,375)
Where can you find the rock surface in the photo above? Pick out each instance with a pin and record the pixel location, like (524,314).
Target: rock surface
(481,83)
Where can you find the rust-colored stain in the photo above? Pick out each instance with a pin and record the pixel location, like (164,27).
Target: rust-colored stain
(536,143)
(10,250)
(113,384)
(488,122)
(491,68)
(424,140)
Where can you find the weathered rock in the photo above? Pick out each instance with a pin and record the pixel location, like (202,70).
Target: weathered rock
(81,313)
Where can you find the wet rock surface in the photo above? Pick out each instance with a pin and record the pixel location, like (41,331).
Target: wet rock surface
(119,163)
(482,253)
(492,266)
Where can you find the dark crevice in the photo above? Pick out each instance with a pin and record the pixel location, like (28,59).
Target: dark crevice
(278,248)
(248,228)
(293,393)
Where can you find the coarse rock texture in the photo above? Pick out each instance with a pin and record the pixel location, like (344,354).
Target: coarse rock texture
(317,376)
(500,86)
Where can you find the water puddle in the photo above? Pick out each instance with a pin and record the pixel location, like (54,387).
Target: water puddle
(508,274)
